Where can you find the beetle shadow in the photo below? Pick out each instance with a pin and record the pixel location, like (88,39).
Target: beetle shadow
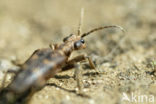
(68,77)
(62,77)
(55,85)
(91,74)
(71,91)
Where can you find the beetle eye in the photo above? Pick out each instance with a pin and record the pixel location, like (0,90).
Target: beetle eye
(82,41)
(77,45)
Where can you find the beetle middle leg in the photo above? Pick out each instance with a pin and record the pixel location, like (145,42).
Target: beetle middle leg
(79,81)
(75,63)
(71,63)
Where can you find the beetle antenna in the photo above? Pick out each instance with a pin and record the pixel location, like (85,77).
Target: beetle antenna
(101,28)
(81,21)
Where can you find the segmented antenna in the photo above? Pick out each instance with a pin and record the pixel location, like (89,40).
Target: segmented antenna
(101,28)
(81,21)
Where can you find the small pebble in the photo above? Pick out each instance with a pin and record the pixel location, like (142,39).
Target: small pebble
(91,101)
(67,97)
(1,75)
(66,101)
(46,97)
(85,90)
(4,64)
(57,88)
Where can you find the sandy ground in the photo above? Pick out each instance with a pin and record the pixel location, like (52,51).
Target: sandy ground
(32,24)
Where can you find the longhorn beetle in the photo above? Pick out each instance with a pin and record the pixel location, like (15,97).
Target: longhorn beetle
(45,63)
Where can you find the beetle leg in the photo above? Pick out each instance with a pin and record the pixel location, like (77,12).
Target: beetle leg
(75,63)
(92,65)
(77,59)
(78,77)
(70,63)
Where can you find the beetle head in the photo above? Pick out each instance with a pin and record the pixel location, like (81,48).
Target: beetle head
(77,41)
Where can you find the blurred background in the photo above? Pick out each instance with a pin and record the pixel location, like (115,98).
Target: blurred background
(26,25)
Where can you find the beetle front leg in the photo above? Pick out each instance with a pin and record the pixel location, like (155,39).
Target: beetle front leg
(75,63)
(70,63)
(79,81)
(78,77)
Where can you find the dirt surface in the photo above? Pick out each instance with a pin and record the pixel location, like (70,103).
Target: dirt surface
(127,70)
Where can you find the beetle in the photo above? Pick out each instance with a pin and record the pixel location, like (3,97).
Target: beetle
(45,63)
